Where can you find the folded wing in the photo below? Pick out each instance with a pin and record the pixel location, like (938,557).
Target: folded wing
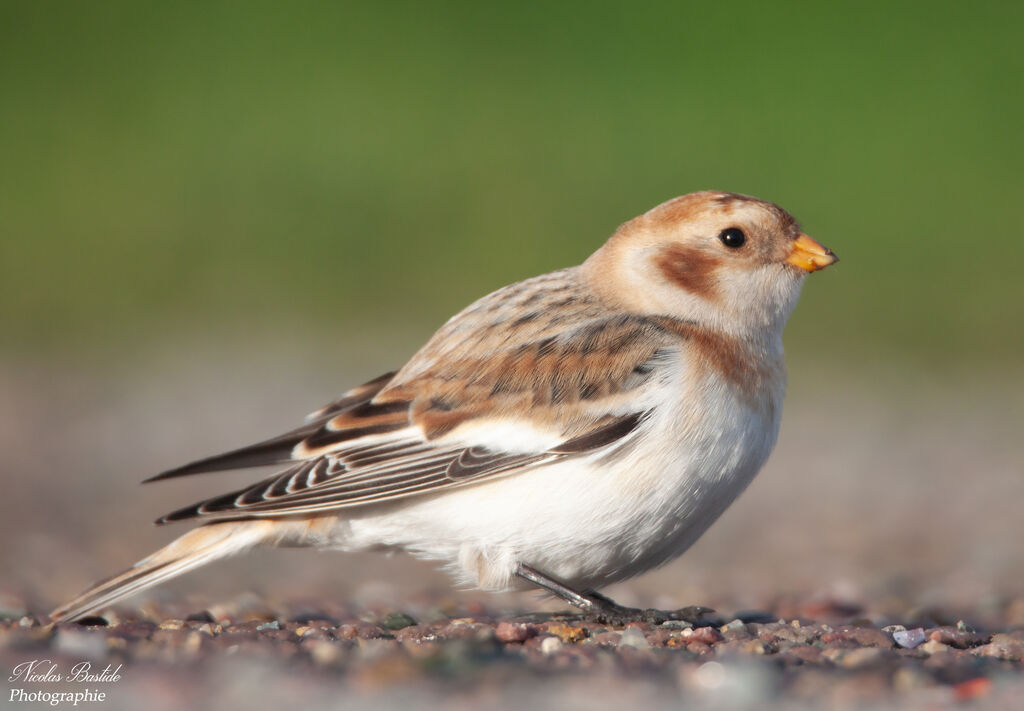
(574,393)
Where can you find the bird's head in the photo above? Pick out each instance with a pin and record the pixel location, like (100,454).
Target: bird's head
(730,262)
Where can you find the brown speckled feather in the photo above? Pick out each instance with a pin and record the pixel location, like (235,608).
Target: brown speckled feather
(565,359)
(542,346)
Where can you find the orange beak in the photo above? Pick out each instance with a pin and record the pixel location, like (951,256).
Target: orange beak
(809,255)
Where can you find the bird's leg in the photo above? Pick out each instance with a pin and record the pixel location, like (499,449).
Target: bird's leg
(598,608)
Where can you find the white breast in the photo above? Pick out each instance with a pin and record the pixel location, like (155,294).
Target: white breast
(592,521)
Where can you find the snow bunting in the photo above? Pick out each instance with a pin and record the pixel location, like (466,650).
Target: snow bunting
(567,431)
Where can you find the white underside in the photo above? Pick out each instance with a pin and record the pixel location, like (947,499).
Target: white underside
(582,520)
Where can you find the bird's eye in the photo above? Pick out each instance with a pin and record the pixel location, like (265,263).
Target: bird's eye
(733,237)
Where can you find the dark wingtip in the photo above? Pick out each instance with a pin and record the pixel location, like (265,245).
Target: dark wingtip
(271,451)
(278,449)
(176,472)
(238,459)
(179,515)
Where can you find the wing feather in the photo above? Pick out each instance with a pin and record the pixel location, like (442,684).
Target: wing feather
(279,449)
(434,424)
(310,486)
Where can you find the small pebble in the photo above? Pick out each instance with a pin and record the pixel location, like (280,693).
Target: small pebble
(512,632)
(868,637)
(705,635)
(566,633)
(633,637)
(396,621)
(909,639)
(754,646)
(962,638)
(733,626)
(1002,646)
(934,647)
(550,645)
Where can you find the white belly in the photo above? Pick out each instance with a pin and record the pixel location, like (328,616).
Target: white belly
(583,521)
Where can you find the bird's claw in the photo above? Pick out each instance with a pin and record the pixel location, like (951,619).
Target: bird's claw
(606,611)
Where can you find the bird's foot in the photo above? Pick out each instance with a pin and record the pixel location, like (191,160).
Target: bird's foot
(606,611)
(603,610)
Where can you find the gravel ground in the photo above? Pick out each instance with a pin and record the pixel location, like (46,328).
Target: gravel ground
(799,654)
(889,503)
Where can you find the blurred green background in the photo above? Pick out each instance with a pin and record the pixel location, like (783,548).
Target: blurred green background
(215,216)
(232,169)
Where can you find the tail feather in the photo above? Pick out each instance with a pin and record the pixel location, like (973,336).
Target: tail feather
(193,549)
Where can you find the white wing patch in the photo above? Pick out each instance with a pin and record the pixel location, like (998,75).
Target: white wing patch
(403,464)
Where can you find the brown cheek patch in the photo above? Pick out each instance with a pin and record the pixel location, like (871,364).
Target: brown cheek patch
(690,269)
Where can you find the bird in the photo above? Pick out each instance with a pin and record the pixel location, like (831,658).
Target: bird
(565,432)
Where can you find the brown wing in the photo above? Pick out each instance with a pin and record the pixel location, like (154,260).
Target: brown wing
(564,378)
(407,440)
(541,354)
